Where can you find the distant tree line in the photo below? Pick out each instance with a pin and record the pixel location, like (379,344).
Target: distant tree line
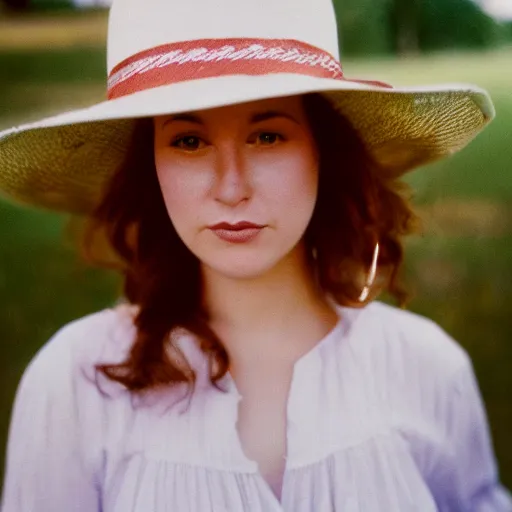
(37,5)
(16,5)
(387,26)
(411,26)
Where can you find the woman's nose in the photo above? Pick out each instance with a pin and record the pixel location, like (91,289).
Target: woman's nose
(232,185)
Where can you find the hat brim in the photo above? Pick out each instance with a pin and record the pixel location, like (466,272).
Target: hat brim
(63,162)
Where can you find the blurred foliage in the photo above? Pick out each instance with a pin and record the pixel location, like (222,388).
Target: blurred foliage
(45,5)
(454,24)
(19,67)
(38,5)
(364,26)
(16,5)
(407,26)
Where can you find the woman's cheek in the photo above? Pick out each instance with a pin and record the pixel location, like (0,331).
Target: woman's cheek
(177,194)
(182,183)
(293,178)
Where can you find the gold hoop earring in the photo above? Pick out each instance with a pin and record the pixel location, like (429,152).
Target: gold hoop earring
(370,278)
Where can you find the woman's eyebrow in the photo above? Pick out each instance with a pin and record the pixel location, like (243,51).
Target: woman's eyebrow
(271,114)
(189,118)
(256,118)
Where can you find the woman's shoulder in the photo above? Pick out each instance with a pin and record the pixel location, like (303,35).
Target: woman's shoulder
(101,337)
(409,339)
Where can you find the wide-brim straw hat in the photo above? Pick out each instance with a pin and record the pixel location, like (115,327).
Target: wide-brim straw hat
(170,56)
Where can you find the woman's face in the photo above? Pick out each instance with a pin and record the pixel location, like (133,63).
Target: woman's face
(239,182)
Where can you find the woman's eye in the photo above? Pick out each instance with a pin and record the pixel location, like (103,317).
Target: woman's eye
(269,138)
(188,143)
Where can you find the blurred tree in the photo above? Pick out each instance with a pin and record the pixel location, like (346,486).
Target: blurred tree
(407,26)
(507,30)
(454,24)
(25,5)
(404,20)
(52,4)
(364,26)
(16,5)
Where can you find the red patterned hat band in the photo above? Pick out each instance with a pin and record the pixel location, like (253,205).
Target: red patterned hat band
(206,58)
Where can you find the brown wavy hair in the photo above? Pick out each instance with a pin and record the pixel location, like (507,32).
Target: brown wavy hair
(355,208)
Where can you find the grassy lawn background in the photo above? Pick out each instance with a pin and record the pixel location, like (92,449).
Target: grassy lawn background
(460,269)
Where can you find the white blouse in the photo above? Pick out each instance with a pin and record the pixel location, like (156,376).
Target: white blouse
(384,415)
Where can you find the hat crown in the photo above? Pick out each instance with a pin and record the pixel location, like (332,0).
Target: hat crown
(138,25)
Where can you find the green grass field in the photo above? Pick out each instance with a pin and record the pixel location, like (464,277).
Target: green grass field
(460,269)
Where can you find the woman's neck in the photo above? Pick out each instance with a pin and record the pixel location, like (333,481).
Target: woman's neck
(285,303)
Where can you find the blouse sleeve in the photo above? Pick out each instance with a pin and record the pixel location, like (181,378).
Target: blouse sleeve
(52,452)
(476,476)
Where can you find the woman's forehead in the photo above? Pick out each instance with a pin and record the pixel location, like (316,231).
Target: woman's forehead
(254,111)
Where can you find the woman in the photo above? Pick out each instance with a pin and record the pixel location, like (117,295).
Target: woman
(249,194)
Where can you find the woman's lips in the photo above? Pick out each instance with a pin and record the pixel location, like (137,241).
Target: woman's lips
(239,233)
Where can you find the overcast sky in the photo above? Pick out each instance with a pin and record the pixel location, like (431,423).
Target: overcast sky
(501,9)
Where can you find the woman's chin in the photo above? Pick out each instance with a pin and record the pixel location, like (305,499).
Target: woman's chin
(241,268)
